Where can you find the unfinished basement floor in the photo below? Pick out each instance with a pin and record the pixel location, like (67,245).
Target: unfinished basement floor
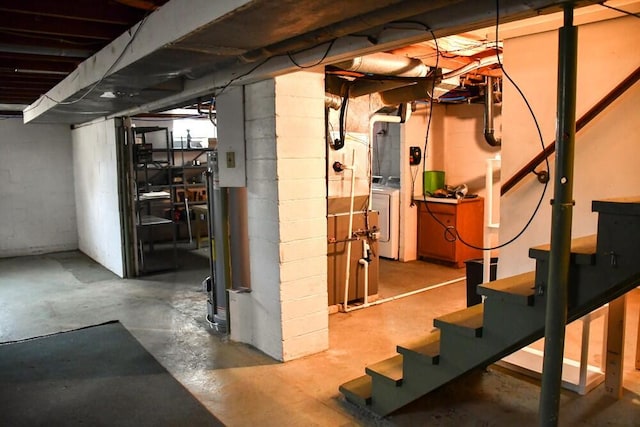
(241,386)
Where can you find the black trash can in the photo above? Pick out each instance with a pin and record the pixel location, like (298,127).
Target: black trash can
(474,278)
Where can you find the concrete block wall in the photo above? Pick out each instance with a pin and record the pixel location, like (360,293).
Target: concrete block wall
(300,152)
(96,191)
(37,204)
(286,191)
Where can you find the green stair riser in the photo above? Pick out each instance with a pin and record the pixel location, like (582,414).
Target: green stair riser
(518,290)
(389,370)
(467,322)
(358,391)
(509,321)
(386,397)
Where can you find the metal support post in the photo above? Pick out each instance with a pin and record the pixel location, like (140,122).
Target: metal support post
(561,219)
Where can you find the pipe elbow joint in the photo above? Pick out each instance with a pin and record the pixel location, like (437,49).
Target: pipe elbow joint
(491,139)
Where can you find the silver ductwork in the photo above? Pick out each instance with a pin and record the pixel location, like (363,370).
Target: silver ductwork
(332,101)
(484,62)
(488,115)
(386,64)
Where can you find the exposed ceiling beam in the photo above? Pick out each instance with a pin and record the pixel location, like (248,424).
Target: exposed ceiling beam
(45,50)
(28,77)
(10,58)
(22,23)
(51,42)
(85,10)
(34,66)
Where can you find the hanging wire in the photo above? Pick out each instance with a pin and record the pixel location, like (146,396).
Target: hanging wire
(449,231)
(636,15)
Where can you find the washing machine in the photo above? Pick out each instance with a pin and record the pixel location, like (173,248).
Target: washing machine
(386,200)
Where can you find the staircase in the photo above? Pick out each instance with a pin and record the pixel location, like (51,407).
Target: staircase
(603,267)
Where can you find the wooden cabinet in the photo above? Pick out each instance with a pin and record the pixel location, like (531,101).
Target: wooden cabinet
(438,222)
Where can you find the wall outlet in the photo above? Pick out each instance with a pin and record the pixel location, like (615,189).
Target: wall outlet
(231,159)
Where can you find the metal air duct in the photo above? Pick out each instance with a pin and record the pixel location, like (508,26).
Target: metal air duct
(385,64)
(488,115)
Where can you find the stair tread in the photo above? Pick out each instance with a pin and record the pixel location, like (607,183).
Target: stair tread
(468,320)
(521,286)
(619,205)
(390,368)
(358,390)
(583,250)
(428,346)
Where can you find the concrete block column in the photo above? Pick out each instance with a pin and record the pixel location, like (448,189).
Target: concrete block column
(284,131)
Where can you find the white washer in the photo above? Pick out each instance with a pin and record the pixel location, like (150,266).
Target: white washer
(386,200)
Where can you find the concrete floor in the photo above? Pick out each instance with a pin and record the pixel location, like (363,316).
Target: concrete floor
(241,386)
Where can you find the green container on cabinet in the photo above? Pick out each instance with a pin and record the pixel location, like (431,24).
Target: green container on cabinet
(432,181)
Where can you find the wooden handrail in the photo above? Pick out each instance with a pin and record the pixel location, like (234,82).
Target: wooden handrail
(580,123)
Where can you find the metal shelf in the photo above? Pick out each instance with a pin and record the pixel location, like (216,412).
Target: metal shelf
(146,220)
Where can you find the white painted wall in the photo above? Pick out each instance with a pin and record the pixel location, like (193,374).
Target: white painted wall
(286,313)
(36,189)
(96,193)
(606,163)
(456,145)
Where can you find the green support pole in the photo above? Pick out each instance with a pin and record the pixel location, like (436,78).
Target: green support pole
(561,217)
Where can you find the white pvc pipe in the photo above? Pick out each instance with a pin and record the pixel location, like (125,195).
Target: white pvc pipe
(365,263)
(350,232)
(490,225)
(407,294)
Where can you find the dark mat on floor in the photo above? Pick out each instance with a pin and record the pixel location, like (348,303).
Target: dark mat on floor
(94,376)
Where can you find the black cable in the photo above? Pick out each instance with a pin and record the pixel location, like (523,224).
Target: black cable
(264,61)
(535,120)
(452,231)
(429,120)
(637,15)
(326,53)
(251,70)
(433,74)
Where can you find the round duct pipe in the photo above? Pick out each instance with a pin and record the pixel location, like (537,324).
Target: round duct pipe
(385,64)
(488,115)
(332,101)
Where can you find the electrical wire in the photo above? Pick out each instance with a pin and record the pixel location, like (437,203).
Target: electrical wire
(433,75)
(230,82)
(326,53)
(449,231)
(267,59)
(451,234)
(637,15)
(429,120)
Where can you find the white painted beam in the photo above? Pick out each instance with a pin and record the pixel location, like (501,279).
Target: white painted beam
(171,22)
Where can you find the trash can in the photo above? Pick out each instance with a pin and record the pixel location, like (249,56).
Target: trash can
(474,278)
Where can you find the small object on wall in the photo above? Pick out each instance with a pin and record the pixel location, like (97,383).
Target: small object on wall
(414,155)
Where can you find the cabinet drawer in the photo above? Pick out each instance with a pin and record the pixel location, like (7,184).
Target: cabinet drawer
(442,208)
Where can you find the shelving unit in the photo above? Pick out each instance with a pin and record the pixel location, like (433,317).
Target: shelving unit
(168,182)
(153,200)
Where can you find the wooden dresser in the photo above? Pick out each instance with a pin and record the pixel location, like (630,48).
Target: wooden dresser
(434,242)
